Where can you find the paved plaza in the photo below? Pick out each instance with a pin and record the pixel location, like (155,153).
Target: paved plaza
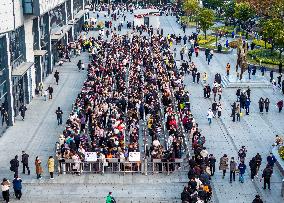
(39,132)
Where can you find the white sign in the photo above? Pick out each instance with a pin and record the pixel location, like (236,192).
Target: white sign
(134,156)
(91,156)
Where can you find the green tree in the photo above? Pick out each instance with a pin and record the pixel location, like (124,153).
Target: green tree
(190,7)
(205,19)
(217,5)
(243,12)
(273,31)
(229,11)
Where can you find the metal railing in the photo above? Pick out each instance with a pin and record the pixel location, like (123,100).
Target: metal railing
(114,165)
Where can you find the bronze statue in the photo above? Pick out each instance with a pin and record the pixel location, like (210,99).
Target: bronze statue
(242,57)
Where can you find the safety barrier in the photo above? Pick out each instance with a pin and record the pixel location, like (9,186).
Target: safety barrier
(114,165)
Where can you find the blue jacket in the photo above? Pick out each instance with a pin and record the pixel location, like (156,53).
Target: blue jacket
(242,167)
(17,184)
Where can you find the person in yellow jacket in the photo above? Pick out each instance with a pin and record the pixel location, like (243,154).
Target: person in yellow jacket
(204,77)
(50,165)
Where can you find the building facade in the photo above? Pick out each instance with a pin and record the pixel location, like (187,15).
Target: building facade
(31,32)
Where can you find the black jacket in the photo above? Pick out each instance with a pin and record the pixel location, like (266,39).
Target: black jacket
(25,159)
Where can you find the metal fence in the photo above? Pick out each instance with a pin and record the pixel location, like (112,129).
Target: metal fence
(68,166)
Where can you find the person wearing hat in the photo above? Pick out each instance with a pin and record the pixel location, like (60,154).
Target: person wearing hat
(39,170)
(257,199)
(5,186)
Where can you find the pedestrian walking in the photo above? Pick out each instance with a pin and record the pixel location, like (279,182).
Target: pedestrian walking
(39,169)
(233,168)
(228,67)
(40,88)
(280,105)
(5,187)
(257,199)
(212,161)
(109,198)
(242,153)
(210,116)
(79,65)
(271,75)
(266,104)
(238,112)
(25,162)
(266,175)
(56,76)
(50,92)
(258,161)
(242,169)
(223,164)
(214,108)
(59,114)
(271,160)
(247,105)
(261,104)
(23,110)
(197,77)
(253,168)
(219,109)
(50,165)
(233,115)
(17,185)
(220,91)
(15,166)
(204,77)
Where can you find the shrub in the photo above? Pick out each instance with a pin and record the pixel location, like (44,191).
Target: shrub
(281,152)
(265,56)
(261,43)
(202,41)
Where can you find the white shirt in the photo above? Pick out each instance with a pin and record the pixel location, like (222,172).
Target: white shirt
(209,114)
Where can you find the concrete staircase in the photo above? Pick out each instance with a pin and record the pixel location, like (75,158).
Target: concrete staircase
(257,82)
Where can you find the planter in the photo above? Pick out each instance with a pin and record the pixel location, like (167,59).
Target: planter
(229,51)
(280,161)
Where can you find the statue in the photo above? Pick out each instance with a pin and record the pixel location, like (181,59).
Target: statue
(242,58)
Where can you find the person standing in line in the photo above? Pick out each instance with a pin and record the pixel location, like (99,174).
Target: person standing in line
(39,169)
(212,161)
(233,168)
(223,164)
(23,110)
(17,185)
(56,76)
(50,165)
(59,113)
(248,92)
(5,186)
(210,116)
(25,162)
(266,104)
(234,107)
(15,166)
(266,175)
(50,92)
(242,168)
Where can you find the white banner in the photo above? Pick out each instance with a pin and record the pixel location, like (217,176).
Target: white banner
(91,156)
(134,156)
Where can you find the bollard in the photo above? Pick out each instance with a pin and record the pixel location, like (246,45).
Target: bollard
(145,166)
(282,189)
(63,168)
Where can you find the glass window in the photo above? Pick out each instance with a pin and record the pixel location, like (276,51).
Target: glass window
(3,89)
(17,46)
(3,54)
(28,6)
